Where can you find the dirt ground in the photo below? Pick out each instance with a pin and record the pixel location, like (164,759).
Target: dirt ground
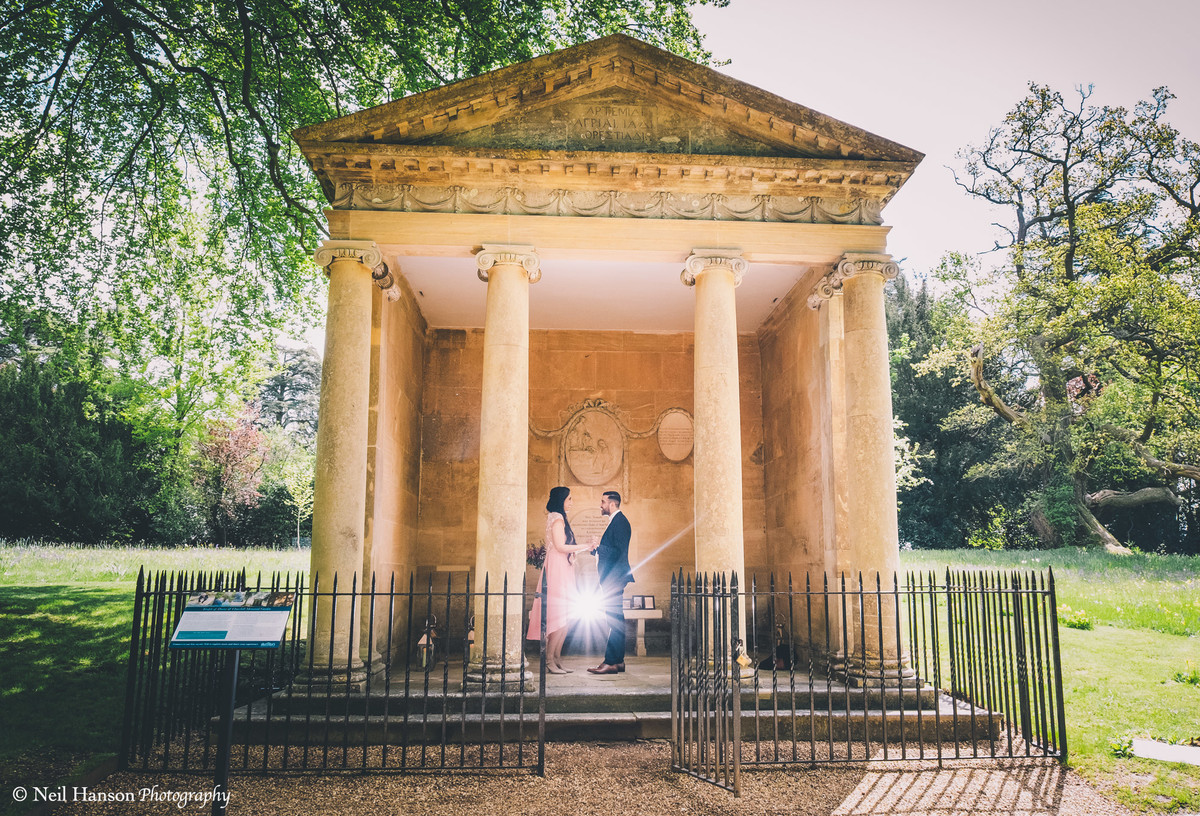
(621,778)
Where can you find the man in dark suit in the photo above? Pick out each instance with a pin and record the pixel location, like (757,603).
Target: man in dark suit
(615,573)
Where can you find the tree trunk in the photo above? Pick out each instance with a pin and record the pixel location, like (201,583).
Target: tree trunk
(1098,530)
(1044,529)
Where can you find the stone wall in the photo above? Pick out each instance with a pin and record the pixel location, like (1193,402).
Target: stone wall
(797,461)
(398,340)
(633,379)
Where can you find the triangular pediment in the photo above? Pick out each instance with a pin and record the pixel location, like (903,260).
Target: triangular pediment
(617,119)
(615,94)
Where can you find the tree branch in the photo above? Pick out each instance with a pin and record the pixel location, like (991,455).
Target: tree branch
(1119,500)
(1167,469)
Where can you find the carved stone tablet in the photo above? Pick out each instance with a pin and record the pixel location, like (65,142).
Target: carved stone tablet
(676,435)
(595,448)
(588,525)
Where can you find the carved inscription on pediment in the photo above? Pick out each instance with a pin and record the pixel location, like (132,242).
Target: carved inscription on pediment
(620,122)
(613,125)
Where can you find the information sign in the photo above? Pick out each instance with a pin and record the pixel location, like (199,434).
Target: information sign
(233,620)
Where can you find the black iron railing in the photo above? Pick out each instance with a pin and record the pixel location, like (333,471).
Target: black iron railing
(421,687)
(966,667)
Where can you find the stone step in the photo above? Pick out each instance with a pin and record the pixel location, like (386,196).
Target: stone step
(610,701)
(857,726)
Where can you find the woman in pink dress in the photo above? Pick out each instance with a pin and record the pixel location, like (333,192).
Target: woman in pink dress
(559,577)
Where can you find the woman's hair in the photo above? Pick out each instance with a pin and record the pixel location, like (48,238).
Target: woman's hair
(557,504)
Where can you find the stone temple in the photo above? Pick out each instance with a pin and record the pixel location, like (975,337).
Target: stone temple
(610,268)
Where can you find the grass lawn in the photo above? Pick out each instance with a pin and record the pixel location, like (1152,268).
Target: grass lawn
(1120,677)
(65,617)
(65,620)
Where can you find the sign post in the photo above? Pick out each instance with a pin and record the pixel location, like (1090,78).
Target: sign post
(230,622)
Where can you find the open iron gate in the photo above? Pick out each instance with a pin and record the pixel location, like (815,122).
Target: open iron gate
(706,694)
(980,674)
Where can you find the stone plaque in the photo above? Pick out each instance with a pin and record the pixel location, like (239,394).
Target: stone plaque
(613,125)
(676,435)
(595,448)
(588,525)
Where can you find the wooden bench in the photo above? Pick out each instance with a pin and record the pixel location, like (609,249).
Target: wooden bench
(641,616)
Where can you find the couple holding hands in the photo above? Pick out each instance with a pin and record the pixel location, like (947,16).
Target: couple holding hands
(559,578)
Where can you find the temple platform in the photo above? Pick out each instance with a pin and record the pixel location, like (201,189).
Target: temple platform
(635,704)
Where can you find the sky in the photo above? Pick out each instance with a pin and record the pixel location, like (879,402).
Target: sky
(937,75)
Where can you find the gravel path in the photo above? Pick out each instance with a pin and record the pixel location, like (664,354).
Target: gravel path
(634,778)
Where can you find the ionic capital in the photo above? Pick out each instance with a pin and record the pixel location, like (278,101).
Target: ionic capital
(701,260)
(366,253)
(386,281)
(515,254)
(855,263)
(851,264)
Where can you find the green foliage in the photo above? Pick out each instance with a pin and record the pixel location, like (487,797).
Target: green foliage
(297,476)
(1074,618)
(947,498)
(1122,746)
(1086,338)
(156,226)
(71,466)
(1056,503)
(288,398)
(1190,676)
(125,119)
(1005,529)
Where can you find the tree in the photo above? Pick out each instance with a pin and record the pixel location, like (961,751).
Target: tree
(230,469)
(960,489)
(1095,312)
(298,477)
(289,397)
(71,467)
(119,116)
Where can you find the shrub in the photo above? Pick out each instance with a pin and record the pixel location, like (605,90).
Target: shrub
(1121,746)
(1074,618)
(1191,675)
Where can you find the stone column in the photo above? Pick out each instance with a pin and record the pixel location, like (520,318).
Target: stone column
(870,451)
(503,459)
(720,547)
(339,498)
(870,459)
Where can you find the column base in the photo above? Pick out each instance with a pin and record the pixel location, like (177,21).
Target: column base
(347,679)
(513,678)
(875,672)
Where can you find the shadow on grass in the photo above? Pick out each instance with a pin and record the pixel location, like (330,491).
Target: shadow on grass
(63,653)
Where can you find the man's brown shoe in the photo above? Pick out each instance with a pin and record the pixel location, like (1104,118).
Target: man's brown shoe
(604,668)
(621,667)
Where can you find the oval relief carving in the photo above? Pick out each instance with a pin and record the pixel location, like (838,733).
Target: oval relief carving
(595,448)
(676,435)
